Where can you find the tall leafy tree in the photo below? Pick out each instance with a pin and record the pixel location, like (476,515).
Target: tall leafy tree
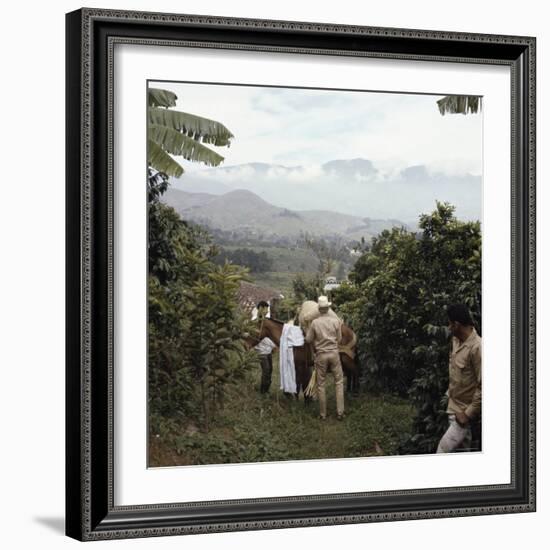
(176,133)
(195,328)
(396,305)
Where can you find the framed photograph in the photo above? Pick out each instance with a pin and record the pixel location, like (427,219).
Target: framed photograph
(300,274)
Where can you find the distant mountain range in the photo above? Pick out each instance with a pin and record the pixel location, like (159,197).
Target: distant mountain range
(352,186)
(248,215)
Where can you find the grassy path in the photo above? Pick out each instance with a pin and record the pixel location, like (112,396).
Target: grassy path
(272,427)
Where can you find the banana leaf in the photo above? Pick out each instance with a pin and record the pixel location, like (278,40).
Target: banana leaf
(162,161)
(161,98)
(196,127)
(459,104)
(181,145)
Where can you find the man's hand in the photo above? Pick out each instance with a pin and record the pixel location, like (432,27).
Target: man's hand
(462,418)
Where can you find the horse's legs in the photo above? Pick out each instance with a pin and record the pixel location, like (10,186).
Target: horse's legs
(303,373)
(351,370)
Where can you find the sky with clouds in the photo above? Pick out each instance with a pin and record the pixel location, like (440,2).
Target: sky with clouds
(310,127)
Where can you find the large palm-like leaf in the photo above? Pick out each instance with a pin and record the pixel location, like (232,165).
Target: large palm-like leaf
(181,145)
(162,161)
(461,104)
(161,98)
(196,127)
(180,134)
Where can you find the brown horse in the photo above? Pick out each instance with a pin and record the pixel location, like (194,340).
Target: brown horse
(303,355)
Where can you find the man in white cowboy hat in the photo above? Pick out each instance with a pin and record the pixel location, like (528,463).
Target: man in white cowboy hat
(325,333)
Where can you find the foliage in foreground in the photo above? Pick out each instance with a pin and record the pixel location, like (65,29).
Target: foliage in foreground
(259,428)
(396,304)
(195,328)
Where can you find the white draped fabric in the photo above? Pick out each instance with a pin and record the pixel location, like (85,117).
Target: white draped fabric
(291,337)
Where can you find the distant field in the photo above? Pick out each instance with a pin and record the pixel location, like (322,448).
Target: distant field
(286,259)
(277,280)
(288,262)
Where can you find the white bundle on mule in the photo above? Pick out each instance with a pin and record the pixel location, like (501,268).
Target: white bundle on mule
(310,311)
(291,337)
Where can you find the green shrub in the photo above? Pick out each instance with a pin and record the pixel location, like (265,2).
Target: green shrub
(195,328)
(402,286)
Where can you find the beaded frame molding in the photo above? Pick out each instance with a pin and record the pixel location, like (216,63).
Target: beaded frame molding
(90,510)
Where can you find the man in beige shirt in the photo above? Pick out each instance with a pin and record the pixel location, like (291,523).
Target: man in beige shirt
(325,333)
(464,391)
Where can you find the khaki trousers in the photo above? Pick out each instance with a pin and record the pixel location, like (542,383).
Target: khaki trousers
(323,363)
(456,437)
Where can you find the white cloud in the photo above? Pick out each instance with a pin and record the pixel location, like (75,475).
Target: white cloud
(308,127)
(306,174)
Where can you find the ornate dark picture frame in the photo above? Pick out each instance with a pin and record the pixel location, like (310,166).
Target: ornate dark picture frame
(90,510)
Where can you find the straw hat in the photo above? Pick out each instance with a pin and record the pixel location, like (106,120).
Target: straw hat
(323,302)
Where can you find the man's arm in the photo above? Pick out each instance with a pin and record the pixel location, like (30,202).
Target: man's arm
(310,335)
(474,408)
